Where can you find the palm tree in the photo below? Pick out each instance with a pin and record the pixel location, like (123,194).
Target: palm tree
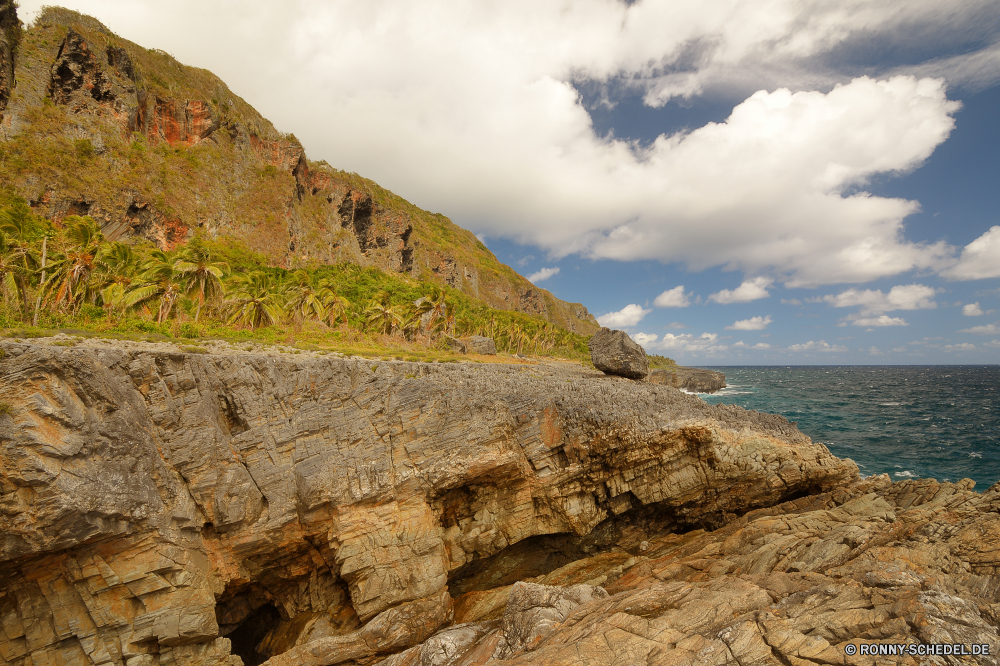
(11,269)
(75,261)
(336,306)
(201,277)
(303,299)
(381,316)
(253,301)
(117,266)
(158,282)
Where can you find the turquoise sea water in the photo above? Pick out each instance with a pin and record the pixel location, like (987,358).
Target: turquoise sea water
(909,421)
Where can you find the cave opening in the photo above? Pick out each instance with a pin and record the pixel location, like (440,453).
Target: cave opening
(251,631)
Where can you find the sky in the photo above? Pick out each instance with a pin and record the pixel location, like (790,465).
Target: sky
(732,182)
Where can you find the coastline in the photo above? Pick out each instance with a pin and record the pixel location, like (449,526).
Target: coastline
(388,510)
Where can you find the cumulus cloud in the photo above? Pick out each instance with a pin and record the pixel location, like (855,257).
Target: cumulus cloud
(628,316)
(643,339)
(964,346)
(992,343)
(673,298)
(749,290)
(543,274)
(881,320)
(456,106)
(900,297)
(987,329)
(972,310)
(759,345)
(688,342)
(751,324)
(980,259)
(821,345)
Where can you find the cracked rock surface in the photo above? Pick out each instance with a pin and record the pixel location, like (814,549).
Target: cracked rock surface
(169,508)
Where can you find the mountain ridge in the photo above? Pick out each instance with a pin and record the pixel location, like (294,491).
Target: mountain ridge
(93,124)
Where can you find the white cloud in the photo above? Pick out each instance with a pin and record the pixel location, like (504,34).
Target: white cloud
(972,310)
(980,259)
(630,315)
(644,339)
(749,290)
(759,345)
(875,351)
(965,346)
(900,297)
(543,274)
(992,343)
(791,301)
(881,320)
(822,346)
(456,105)
(687,342)
(673,298)
(752,324)
(987,329)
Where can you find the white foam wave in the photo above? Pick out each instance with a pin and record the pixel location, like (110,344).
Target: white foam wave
(906,474)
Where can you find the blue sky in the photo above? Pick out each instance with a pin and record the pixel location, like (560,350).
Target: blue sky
(730,181)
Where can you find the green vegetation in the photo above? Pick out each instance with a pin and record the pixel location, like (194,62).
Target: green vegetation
(6,409)
(657,361)
(69,276)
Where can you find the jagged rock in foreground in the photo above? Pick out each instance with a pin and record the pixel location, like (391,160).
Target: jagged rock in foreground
(689,379)
(613,352)
(912,564)
(168,508)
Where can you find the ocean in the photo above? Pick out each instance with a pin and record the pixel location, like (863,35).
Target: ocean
(941,422)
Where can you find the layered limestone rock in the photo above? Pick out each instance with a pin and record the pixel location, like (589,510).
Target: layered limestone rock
(871,573)
(689,379)
(170,508)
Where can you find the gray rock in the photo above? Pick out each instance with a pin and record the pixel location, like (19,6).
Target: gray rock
(455,344)
(483,345)
(689,379)
(615,353)
(532,610)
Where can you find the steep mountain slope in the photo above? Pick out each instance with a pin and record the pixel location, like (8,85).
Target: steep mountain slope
(92,124)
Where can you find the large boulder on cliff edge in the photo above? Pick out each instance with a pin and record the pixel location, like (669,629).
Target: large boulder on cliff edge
(614,353)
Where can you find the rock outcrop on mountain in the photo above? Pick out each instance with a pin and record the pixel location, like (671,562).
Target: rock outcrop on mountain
(10,34)
(689,379)
(170,508)
(153,149)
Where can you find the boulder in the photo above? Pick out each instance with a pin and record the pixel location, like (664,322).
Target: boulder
(455,344)
(483,345)
(614,353)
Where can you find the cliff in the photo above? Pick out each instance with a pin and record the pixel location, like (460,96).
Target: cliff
(158,507)
(689,379)
(92,124)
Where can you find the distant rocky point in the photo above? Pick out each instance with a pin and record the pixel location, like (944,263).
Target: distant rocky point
(690,379)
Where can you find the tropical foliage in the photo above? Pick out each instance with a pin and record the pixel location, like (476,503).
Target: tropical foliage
(69,275)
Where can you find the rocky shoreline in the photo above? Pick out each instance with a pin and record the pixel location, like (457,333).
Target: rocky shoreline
(160,507)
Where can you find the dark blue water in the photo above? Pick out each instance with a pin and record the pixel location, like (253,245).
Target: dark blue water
(941,422)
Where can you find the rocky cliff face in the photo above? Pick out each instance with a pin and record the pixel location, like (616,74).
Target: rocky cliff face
(10,29)
(169,508)
(689,379)
(150,148)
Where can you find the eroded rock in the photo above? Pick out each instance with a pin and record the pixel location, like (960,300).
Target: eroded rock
(155,503)
(615,353)
(482,345)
